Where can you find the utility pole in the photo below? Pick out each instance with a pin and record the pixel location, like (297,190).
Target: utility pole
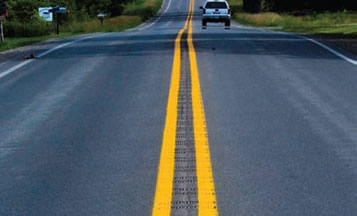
(1,31)
(3,14)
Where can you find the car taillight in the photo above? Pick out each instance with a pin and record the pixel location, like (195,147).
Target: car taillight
(229,11)
(204,11)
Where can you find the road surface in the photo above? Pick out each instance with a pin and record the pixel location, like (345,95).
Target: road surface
(172,119)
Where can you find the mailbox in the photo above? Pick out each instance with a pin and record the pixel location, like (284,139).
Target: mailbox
(101,17)
(57,9)
(62,10)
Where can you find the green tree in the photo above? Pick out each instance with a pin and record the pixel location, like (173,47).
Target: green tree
(312,5)
(252,6)
(22,10)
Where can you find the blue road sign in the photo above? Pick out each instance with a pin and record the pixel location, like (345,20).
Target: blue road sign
(45,13)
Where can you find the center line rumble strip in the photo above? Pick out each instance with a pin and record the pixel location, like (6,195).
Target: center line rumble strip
(164,185)
(207,205)
(205,182)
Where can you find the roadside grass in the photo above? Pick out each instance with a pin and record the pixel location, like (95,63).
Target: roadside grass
(341,24)
(115,24)
(143,8)
(134,14)
(11,43)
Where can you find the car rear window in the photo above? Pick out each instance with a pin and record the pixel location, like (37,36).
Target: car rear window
(216,5)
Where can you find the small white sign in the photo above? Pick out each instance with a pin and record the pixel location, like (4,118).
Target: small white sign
(45,14)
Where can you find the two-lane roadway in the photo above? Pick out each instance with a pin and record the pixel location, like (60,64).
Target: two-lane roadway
(173,119)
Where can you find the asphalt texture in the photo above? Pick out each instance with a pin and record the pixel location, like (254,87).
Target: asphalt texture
(185,199)
(81,128)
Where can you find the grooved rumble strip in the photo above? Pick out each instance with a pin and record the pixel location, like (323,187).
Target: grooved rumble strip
(185,184)
(163,194)
(205,182)
(164,184)
(184,200)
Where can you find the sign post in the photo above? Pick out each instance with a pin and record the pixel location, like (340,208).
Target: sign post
(57,11)
(1,31)
(57,24)
(3,14)
(101,17)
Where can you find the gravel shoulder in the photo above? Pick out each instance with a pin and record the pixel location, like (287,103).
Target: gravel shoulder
(22,52)
(15,56)
(348,44)
(36,48)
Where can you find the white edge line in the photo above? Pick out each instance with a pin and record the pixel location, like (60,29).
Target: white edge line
(22,64)
(148,26)
(8,71)
(354,62)
(238,26)
(322,45)
(336,53)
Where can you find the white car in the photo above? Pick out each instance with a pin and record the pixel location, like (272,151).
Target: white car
(216,11)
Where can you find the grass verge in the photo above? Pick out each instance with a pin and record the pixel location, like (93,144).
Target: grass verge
(11,43)
(134,14)
(115,24)
(143,8)
(338,24)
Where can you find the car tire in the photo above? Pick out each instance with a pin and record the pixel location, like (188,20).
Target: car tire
(227,23)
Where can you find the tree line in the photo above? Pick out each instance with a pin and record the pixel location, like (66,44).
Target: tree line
(23,18)
(27,10)
(255,6)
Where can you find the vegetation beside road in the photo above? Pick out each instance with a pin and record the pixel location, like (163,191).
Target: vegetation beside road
(143,8)
(340,23)
(127,15)
(114,24)
(11,43)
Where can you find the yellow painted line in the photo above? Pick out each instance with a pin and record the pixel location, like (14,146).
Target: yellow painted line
(164,184)
(207,204)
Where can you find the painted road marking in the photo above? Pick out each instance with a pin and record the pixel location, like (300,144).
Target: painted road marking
(163,194)
(318,43)
(207,204)
(354,62)
(148,26)
(22,64)
(164,184)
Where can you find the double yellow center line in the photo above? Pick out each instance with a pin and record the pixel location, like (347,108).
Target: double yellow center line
(205,183)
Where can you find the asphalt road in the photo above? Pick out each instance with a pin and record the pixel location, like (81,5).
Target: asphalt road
(81,128)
